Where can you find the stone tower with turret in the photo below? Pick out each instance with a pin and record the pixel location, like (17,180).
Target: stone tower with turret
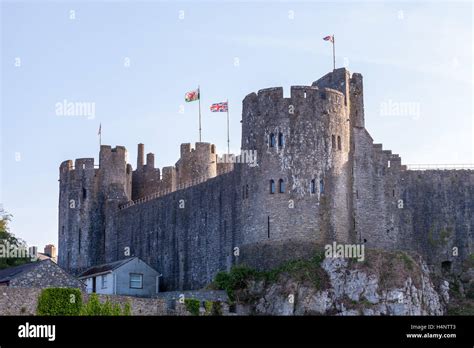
(303,181)
(89,196)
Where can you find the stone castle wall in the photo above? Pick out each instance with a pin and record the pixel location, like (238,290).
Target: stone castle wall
(337,185)
(187,235)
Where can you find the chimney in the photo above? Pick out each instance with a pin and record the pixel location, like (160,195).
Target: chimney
(150,160)
(140,156)
(50,250)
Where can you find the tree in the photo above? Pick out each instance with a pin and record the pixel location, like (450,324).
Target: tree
(13,250)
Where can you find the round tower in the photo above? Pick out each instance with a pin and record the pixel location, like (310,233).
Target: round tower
(88,197)
(77,213)
(302,181)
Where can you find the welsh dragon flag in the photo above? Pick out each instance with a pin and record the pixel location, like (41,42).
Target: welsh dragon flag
(192,96)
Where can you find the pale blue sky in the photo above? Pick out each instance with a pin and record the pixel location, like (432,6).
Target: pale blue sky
(419,53)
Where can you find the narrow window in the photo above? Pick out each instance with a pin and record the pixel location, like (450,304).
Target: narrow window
(268,226)
(281,186)
(388,163)
(304,95)
(357,193)
(246,191)
(333,138)
(339,144)
(313,186)
(280,139)
(136,281)
(84,193)
(272,186)
(321,186)
(272,140)
(393,193)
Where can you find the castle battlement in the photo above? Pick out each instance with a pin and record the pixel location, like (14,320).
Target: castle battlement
(311,93)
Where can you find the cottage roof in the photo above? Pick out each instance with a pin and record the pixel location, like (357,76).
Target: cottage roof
(106,267)
(11,272)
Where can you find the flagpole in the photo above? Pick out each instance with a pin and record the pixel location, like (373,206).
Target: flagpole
(228,139)
(100,135)
(334,51)
(199,99)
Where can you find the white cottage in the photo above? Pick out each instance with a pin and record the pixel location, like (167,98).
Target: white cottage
(129,276)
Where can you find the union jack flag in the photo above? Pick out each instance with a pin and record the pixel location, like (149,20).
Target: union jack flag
(220,107)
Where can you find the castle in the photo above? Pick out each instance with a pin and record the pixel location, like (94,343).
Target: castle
(317,178)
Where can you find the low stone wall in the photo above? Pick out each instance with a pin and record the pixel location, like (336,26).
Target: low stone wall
(201,295)
(23,301)
(18,301)
(139,306)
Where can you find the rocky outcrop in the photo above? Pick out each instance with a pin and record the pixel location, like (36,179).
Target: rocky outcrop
(391,284)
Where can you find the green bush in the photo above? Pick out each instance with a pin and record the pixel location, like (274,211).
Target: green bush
(309,269)
(216,308)
(213,307)
(93,307)
(235,279)
(192,305)
(127,309)
(208,306)
(59,301)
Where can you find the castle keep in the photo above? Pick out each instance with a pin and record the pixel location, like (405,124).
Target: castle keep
(318,178)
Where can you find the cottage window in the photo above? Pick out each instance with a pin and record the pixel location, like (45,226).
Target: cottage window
(103,280)
(136,281)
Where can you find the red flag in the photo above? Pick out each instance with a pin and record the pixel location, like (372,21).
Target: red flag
(329,38)
(191,96)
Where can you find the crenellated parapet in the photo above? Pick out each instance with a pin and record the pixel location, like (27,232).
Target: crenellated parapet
(193,165)
(196,162)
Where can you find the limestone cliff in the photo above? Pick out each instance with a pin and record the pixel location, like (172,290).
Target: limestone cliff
(386,283)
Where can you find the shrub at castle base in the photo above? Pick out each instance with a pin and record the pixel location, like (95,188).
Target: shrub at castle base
(59,301)
(386,283)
